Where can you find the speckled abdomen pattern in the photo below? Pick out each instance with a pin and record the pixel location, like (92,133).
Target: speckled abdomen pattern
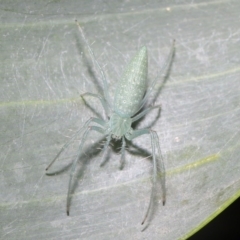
(131,88)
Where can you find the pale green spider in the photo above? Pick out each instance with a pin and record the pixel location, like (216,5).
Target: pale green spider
(130,97)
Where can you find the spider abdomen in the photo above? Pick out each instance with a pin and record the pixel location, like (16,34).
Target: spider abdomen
(131,88)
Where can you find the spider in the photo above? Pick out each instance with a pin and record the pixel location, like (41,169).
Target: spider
(130,98)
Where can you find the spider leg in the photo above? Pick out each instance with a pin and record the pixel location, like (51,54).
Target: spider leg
(65,146)
(102,100)
(105,149)
(122,161)
(105,84)
(154,144)
(85,135)
(144,112)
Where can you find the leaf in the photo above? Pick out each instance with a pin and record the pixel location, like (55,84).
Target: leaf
(44,69)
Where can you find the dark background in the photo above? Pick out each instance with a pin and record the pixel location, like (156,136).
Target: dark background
(226,225)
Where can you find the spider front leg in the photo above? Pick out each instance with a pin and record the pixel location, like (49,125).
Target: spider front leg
(154,145)
(102,100)
(103,78)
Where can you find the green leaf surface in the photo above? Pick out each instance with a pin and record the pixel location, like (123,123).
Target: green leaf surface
(43,70)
